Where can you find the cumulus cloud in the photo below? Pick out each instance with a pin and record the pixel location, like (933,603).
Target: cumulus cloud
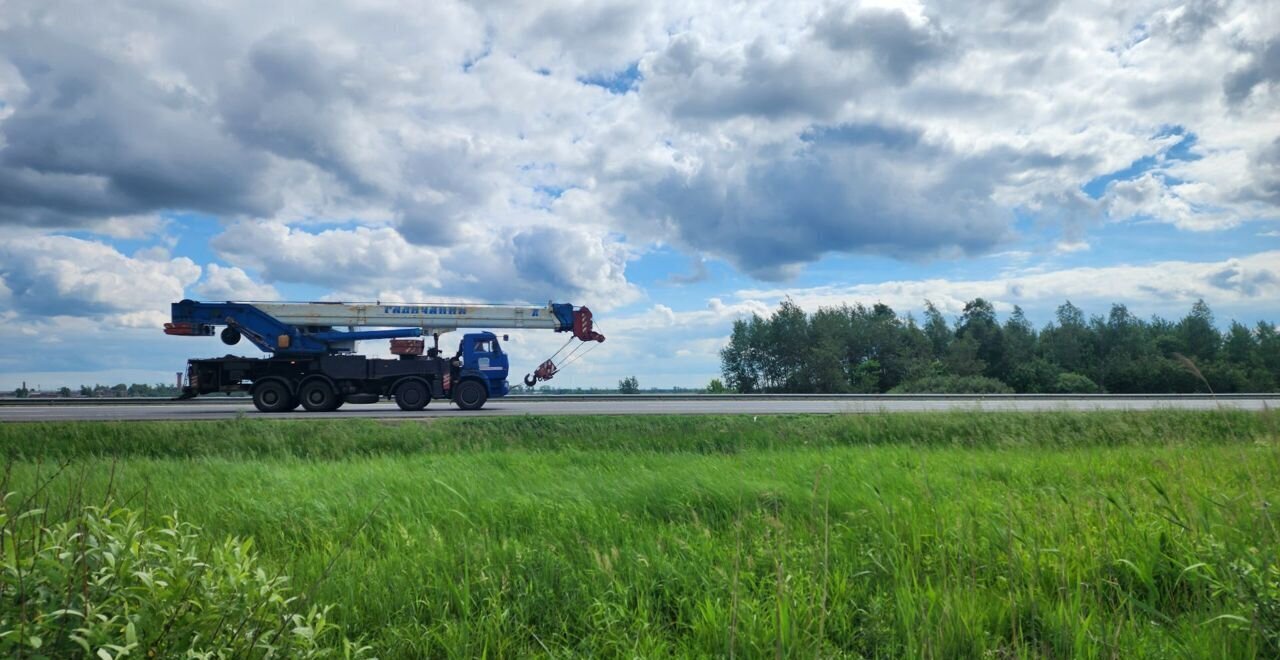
(424,119)
(533,264)
(1244,282)
(853,187)
(231,283)
(332,257)
(92,136)
(1261,69)
(896,42)
(65,276)
(691,81)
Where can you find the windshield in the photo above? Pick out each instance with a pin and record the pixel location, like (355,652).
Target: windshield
(486,346)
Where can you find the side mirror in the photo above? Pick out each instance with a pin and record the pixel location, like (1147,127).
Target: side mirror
(505,338)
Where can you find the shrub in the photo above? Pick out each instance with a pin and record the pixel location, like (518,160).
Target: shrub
(1035,376)
(1072,383)
(102,584)
(953,385)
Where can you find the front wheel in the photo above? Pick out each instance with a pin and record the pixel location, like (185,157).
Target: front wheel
(471,395)
(272,397)
(412,395)
(318,396)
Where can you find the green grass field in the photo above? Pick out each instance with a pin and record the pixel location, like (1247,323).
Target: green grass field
(1113,535)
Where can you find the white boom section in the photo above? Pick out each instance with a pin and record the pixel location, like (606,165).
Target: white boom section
(431,317)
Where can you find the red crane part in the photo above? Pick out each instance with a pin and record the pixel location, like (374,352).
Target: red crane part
(582,326)
(407,346)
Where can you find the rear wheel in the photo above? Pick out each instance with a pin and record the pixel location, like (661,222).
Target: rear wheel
(272,396)
(471,395)
(318,396)
(412,395)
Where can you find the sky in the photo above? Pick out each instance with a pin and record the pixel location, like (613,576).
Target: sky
(674,166)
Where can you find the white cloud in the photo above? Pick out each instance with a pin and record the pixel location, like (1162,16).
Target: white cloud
(65,276)
(423,119)
(532,264)
(1248,281)
(331,258)
(231,283)
(1067,247)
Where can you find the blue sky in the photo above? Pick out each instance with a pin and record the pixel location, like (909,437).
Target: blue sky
(672,165)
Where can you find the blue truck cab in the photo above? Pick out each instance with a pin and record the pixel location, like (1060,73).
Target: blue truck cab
(482,359)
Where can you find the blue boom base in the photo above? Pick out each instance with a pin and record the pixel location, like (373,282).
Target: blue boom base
(266,332)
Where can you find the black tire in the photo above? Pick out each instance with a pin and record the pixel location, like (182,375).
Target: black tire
(318,396)
(230,336)
(272,396)
(412,395)
(470,395)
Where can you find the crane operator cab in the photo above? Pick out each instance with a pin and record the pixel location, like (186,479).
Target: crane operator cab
(482,370)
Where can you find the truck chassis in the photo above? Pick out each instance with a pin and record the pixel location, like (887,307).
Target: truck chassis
(324,382)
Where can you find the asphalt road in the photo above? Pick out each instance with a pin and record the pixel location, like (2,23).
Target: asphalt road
(641,406)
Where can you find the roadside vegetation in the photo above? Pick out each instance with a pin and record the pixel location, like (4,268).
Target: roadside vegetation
(932,535)
(871,349)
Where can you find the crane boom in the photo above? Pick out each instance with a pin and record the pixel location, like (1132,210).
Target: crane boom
(308,327)
(438,317)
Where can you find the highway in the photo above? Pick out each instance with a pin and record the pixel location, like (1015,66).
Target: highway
(204,409)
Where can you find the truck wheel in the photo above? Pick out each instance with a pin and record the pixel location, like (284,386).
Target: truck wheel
(272,396)
(471,395)
(318,396)
(412,395)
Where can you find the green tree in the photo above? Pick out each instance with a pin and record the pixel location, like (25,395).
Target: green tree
(740,359)
(979,322)
(716,387)
(828,357)
(962,358)
(789,345)
(916,349)
(1240,347)
(1019,342)
(1067,344)
(1200,339)
(629,385)
(937,330)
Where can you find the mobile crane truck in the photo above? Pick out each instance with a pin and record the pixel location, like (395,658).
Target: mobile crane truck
(313,363)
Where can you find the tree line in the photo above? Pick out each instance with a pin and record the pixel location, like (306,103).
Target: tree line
(118,390)
(855,349)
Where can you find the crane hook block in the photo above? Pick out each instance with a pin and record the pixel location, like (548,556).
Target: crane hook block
(545,371)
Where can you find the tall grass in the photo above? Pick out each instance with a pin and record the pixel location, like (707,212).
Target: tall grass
(347,438)
(1004,535)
